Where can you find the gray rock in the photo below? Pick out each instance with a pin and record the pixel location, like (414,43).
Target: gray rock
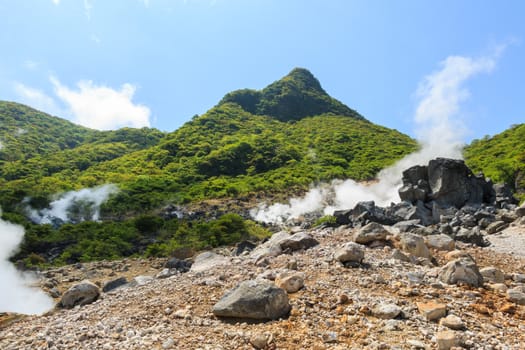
(516,295)
(290,282)
(492,274)
(470,235)
(520,211)
(141,280)
(369,233)
(114,283)
(83,293)
(255,299)
(446,340)
(208,260)
(407,225)
(349,252)
(452,322)
(178,264)
(243,247)
(440,242)
(496,226)
(461,271)
(272,247)
(414,245)
(398,255)
(298,241)
(165,273)
(386,311)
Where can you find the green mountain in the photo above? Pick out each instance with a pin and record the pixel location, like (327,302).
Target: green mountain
(297,95)
(294,134)
(26,133)
(501,157)
(250,145)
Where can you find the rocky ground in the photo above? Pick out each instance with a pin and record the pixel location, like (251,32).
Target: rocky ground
(378,302)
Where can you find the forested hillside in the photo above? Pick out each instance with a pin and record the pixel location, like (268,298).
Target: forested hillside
(501,157)
(252,143)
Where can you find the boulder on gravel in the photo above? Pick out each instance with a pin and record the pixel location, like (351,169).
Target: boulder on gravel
(414,245)
(114,283)
(440,242)
(254,299)
(178,264)
(496,227)
(298,241)
(349,252)
(461,271)
(290,282)
(369,233)
(82,293)
(492,274)
(271,247)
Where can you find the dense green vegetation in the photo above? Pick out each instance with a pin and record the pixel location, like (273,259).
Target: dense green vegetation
(501,157)
(282,138)
(144,235)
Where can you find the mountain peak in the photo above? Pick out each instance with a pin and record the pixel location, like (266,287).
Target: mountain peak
(295,96)
(304,79)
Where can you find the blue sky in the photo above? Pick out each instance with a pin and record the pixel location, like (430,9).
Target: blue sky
(107,64)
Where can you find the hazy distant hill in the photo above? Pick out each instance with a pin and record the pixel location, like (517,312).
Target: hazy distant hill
(501,157)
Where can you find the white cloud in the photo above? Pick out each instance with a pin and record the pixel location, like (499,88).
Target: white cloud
(88,6)
(441,94)
(101,107)
(36,99)
(56,2)
(30,65)
(146,3)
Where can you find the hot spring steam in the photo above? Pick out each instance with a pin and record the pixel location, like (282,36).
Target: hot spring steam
(16,294)
(438,132)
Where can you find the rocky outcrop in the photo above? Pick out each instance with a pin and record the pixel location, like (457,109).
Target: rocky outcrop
(255,299)
(447,182)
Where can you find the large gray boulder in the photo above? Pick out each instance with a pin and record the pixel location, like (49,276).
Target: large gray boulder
(440,242)
(414,245)
(453,184)
(350,252)
(298,241)
(254,299)
(369,233)
(461,271)
(114,283)
(447,182)
(82,293)
(271,247)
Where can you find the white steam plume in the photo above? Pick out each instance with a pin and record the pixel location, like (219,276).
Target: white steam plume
(75,206)
(16,293)
(438,132)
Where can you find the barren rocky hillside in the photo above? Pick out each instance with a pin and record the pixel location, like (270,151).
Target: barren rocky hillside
(444,269)
(380,303)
